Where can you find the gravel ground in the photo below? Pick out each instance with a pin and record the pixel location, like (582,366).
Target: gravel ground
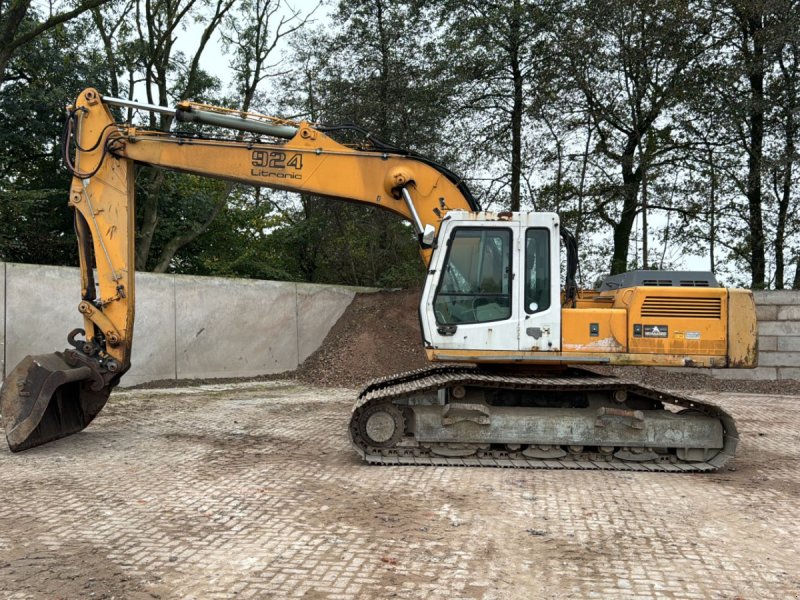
(251,490)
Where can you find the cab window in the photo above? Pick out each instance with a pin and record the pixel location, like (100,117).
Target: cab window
(537,270)
(476,282)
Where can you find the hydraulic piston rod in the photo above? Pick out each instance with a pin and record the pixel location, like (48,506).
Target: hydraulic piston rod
(192,115)
(189,114)
(121,102)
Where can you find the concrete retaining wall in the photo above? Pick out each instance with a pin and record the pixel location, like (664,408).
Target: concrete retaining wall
(186,327)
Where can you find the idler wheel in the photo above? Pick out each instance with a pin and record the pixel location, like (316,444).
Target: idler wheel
(381,426)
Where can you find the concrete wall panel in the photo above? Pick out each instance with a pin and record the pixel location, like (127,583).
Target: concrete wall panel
(788,373)
(153,355)
(777,297)
(318,309)
(204,327)
(788,313)
(779,359)
(779,328)
(41,309)
(768,343)
(789,343)
(192,327)
(234,328)
(767,312)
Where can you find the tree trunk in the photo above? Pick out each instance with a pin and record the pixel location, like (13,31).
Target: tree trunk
(383,89)
(783,188)
(631,179)
(149,220)
(756,220)
(643,168)
(516,109)
(179,241)
(796,282)
(752,30)
(783,194)
(712,212)
(108,47)
(582,184)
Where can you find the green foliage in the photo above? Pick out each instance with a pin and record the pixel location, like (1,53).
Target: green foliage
(324,241)
(41,79)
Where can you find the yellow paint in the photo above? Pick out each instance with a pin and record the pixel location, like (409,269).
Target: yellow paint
(310,162)
(742,329)
(106,204)
(705,327)
(612,322)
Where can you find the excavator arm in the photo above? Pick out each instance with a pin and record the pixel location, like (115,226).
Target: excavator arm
(50,396)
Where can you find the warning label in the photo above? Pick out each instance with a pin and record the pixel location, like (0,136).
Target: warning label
(656,331)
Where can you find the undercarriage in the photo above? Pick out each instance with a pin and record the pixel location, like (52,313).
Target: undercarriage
(470,416)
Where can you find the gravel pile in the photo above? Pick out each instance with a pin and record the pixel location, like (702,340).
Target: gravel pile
(377,335)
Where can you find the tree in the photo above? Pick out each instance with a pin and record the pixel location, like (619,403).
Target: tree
(632,62)
(252,32)
(156,24)
(498,51)
(45,73)
(784,91)
(19,25)
(750,20)
(752,94)
(369,71)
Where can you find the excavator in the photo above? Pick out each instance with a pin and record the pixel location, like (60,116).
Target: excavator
(512,384)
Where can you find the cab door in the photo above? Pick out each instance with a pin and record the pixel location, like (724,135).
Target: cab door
(471,297)
(540,283)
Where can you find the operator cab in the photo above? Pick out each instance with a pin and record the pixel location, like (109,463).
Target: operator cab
(493,284)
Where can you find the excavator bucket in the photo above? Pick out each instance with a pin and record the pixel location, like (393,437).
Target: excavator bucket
(45,398)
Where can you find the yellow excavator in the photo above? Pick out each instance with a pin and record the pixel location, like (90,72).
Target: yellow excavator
(513,387)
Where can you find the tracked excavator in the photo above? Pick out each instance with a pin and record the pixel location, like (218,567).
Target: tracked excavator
(513,385)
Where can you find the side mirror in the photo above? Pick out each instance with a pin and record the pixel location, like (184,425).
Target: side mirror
(428,236)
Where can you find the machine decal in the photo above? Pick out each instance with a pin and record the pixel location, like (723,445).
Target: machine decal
(692,335)
(656,331)
(274,163)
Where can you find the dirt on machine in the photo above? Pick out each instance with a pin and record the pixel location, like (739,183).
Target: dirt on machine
(511,348)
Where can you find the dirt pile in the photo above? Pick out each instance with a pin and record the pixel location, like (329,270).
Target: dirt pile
(378,335)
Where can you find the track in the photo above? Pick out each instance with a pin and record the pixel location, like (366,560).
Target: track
(406,385)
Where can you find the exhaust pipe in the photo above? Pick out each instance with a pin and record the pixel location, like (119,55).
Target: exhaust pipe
(50,396)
